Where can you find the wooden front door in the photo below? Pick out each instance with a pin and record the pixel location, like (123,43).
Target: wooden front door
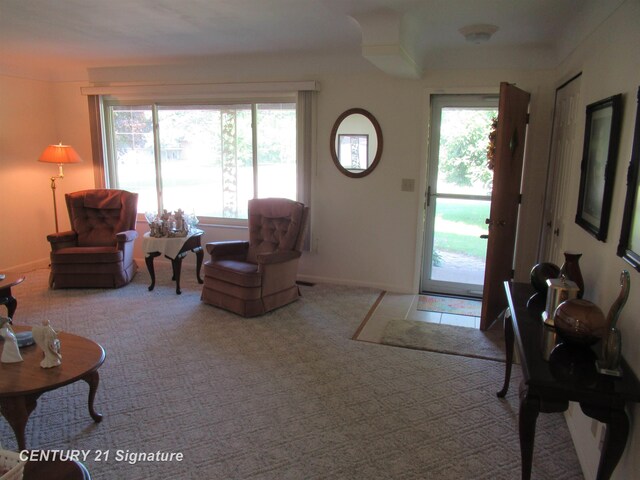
(513,109)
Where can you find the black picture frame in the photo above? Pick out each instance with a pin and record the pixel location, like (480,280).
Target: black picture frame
(598,167)
(629,245)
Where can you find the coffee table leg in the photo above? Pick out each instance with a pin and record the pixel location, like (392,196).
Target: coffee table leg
(152,273)
(93,379)
(17,410)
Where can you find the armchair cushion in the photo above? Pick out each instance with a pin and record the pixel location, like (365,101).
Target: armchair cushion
(277,257)
(87,255)
(274,225)
(97,222)
(238,273)
(226,249)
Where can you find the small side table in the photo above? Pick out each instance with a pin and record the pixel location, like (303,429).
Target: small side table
(6,298)
(175,249)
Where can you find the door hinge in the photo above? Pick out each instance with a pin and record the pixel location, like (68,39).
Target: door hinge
(520,199)
(527,122)
(513,273)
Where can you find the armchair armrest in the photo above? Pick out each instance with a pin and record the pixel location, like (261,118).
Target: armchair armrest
(63,239)
(277,257)
(126,236)
(237,248)
(68,236)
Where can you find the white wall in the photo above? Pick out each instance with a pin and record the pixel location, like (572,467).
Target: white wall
(366,230)
(610,64)
(32,116)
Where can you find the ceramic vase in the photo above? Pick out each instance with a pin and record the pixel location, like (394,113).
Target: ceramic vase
(612,342)
(571,270)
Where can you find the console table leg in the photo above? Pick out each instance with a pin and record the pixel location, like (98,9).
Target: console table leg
(93,379)
(529,409)
(508,341)
(615,437)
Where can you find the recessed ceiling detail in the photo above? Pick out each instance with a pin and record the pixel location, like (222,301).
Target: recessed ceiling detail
(383,43)
(478,33)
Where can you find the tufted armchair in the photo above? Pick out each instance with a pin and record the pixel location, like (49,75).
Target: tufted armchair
(255,277)
(98,251)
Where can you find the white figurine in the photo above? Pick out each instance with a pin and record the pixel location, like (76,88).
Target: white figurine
(10,352)
(47,339)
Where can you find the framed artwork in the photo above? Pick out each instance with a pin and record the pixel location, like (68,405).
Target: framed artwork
(629,246)
(353,151)
(598,168)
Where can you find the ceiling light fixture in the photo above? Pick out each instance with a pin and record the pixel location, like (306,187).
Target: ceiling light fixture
(479,33)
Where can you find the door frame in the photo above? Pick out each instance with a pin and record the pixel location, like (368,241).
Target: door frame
(463,100)
(558,173)
(425,127)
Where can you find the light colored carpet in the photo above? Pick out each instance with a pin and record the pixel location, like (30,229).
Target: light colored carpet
(285,396)
(456,306)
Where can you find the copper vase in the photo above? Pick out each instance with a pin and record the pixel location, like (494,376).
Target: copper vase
(571,270)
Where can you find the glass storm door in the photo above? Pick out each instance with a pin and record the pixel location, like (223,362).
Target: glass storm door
(458,194)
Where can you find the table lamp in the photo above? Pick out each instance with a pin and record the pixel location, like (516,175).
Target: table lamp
(59,154)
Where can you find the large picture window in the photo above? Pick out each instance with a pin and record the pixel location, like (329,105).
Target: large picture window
(209,159)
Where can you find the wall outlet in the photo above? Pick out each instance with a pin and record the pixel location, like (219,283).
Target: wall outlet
(408,185)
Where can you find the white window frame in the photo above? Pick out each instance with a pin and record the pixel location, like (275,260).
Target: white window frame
(156,103)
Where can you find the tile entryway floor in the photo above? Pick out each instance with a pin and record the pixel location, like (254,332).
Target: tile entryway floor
(403,306)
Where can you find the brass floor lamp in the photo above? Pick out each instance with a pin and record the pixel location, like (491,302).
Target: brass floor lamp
(59,154)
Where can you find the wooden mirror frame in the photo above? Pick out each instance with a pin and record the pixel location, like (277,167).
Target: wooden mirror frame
(334,134)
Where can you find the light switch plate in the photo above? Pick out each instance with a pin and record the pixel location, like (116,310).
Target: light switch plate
(408,185)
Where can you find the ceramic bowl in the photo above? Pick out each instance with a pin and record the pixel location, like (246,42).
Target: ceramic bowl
(579,321)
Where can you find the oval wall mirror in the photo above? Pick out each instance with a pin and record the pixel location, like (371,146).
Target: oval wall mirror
(356,143)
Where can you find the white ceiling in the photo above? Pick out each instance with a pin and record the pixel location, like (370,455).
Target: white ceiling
(91,33)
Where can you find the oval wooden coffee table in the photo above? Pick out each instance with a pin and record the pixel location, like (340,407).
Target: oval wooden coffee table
(21,384)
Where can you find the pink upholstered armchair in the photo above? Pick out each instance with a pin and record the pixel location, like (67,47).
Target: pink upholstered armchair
(98,250)
(255,277)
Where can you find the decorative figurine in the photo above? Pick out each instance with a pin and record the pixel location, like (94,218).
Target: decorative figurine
(609,362)
(10,352)
(47,339)
(169,225)
(179,216)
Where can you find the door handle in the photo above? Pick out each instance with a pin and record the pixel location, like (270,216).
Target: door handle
(484,236)
(499,223)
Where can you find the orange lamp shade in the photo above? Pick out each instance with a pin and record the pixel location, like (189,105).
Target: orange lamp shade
(60,154)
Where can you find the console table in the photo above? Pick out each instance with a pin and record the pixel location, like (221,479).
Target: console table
(175,249)
(549,386)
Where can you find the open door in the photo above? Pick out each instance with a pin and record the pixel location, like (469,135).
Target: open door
(513,112)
